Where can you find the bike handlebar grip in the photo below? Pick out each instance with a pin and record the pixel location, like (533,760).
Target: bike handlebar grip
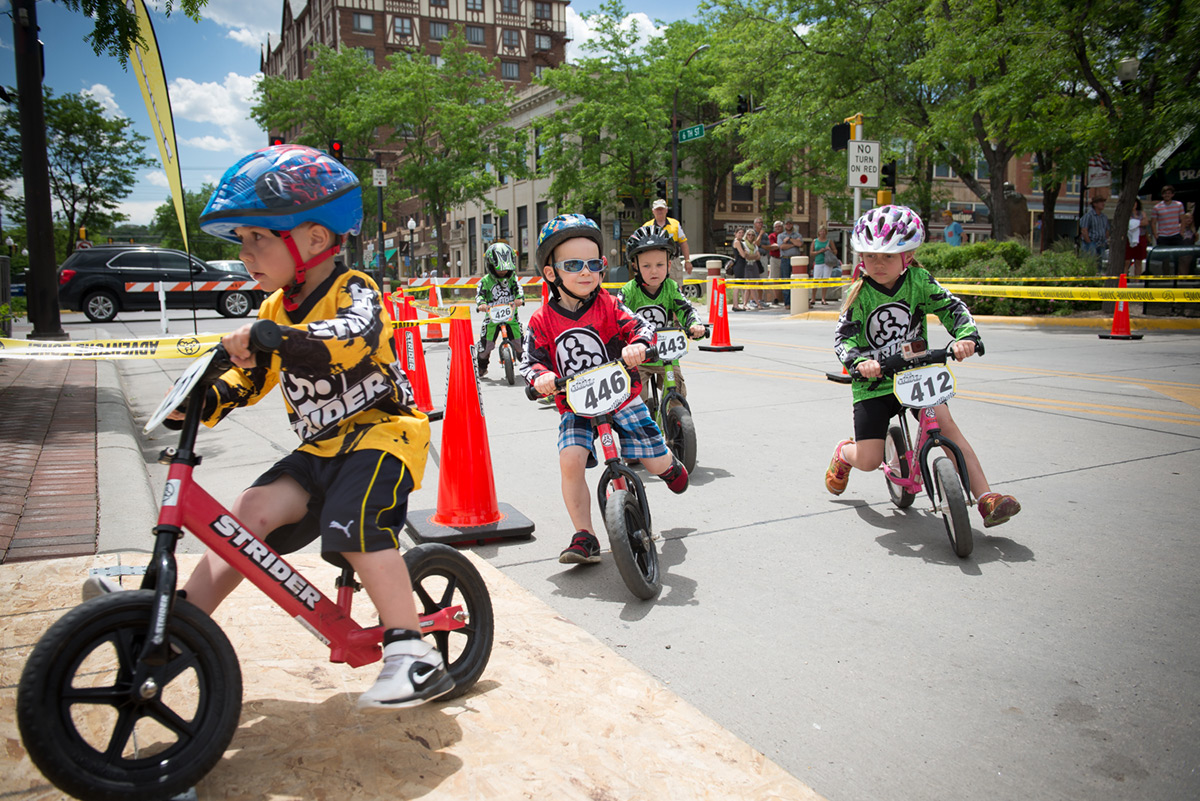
(530,392)
(265,336)
(652,353)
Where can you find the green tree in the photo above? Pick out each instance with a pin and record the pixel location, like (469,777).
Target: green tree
(116,23)
(93,159)
(165,226)
(609,141)
(1154,102)
(448,120)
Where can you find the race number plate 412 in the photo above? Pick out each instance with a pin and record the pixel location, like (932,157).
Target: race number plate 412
(924,386)
(598,391)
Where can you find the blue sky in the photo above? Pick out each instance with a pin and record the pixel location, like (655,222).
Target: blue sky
(211,69)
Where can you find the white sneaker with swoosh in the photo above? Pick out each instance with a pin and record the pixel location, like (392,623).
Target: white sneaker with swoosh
(413,673)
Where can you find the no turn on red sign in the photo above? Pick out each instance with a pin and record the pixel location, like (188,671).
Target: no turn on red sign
(862,168)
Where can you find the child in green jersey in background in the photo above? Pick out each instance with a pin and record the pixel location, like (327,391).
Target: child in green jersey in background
(885,307)
(654,297)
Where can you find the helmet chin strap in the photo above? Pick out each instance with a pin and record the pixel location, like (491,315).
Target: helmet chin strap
(293,289)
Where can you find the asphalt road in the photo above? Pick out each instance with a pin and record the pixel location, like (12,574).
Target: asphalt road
(841,636)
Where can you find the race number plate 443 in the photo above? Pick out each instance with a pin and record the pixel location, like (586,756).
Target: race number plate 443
(672,345)
(924,386)
(598,391)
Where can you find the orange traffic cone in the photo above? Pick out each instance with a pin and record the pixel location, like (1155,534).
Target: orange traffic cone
(434,333)
(412,358)
(1120,323)
(467,510)
(720,335)
(545,292)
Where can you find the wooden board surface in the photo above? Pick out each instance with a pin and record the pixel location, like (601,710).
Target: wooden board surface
(557,714)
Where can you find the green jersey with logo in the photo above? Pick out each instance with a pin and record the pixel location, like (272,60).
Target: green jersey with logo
(658,309)
(881,319)
(491,290)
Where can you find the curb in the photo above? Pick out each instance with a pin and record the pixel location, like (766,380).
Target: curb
(123,485)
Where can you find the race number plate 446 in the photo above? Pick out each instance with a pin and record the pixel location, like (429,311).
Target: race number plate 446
(924,386)
(672,345)
(598,391)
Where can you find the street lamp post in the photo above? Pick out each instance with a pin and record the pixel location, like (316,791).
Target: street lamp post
(412,245)
(675,135)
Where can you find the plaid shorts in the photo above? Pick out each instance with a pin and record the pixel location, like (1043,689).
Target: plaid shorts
(638,433)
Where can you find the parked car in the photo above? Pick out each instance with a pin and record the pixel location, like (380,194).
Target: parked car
(93,281)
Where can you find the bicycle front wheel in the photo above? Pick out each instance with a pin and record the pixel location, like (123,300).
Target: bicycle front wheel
(894,448)
(954,506)
(96,735)
(506,356)
(632,545)
(680,431)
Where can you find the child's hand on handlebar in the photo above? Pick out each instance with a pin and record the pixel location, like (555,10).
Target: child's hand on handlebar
(544,383)
(237,345)
(634,354)
(870,369)
(697,331)
(963,348)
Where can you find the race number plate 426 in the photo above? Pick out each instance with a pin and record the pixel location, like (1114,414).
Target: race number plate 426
(924,386)
(672,345)
(598,391)
(500,314)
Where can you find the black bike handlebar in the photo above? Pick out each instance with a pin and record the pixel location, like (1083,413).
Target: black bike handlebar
(897,363)
(561,381)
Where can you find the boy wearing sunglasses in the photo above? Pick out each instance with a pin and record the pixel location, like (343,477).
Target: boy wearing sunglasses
(580,328)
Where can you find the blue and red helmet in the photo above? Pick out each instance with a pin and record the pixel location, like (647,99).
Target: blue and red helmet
(280,187)
(562,228)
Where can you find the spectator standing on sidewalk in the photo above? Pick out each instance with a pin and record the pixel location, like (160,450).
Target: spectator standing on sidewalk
(822,266)
(791,243)
(669,224)
(772,260)
(750,252)
(952,233)
(1167,223)
(739,270)
(1093,230)
(1139,234)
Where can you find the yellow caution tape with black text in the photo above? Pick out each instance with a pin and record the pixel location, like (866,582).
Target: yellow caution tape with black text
(181,347)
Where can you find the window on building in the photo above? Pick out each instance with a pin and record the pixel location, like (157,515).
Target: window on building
(364,23)
(783,192)
(510,70)
(942,171)
(474,5)
(369,52)
(510,6)
(402,27)
(982,173)
(438,31)
(541,41)
(439,3)
(512,40)
(740,192)
(523,228)
(539,149)
(543,214)
(542,11)
(436,61)
(539,70)
(504,225)
(475,34)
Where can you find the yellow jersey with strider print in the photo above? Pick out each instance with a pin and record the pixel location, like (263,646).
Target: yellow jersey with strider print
(344,389)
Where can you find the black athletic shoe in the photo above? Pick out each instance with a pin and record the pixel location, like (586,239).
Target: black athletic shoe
(583,550)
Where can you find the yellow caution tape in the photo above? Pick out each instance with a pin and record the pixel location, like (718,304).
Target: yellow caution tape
(182,347)
(1078,293)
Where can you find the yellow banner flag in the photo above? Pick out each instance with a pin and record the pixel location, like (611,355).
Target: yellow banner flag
(147,66)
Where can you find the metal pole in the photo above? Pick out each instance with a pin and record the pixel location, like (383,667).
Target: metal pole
(379,260)
(675,135)
(41,280)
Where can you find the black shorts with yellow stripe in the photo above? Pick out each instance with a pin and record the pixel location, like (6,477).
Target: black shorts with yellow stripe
(357,502)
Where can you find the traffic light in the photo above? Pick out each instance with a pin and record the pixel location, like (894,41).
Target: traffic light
(743,104)
(276,140)
(840,137)
(335,150)
(889,174)
(82,232)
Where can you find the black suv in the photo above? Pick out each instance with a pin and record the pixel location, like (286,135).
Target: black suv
(93,281)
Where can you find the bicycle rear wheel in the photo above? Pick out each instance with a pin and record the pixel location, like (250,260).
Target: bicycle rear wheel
(953,502)
(443,577)
(632,545)
(96,735)
(894,448)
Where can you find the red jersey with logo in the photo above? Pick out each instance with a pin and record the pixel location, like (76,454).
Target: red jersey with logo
(566,343)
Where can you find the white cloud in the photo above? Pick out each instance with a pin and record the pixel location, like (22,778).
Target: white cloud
(581,33)
(224,105)
(105,97)
(248,22)
(157,178)
(139,212)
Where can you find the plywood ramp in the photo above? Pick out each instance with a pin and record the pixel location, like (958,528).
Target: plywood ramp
(557,714)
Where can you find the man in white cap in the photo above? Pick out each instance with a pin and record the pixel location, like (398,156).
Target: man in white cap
(659,209)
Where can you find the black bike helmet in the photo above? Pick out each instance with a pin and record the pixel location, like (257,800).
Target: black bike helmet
(557,231)
(499,260)
(646,238)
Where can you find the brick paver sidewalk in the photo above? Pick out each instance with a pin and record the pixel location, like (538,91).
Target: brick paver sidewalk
(48,496)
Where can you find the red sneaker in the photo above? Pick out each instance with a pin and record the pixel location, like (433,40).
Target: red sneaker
(838,474)
(996,508)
